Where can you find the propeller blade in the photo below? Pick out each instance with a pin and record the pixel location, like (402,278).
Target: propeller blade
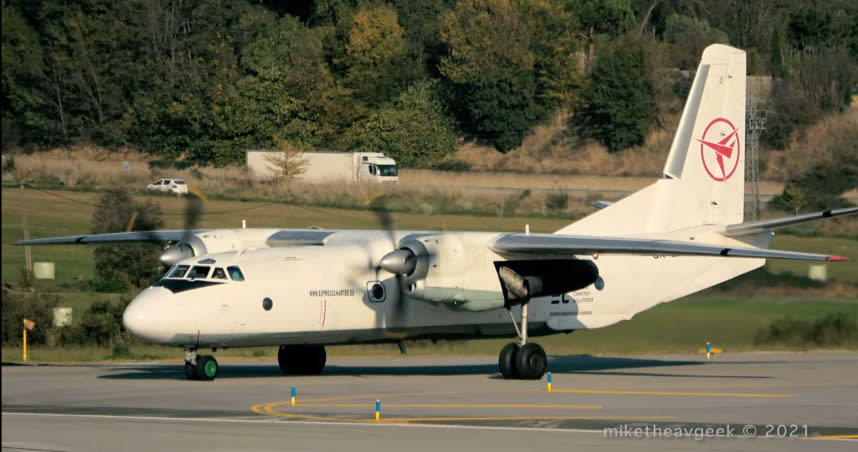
(377,204)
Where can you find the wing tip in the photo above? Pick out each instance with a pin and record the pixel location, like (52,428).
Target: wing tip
(837,259)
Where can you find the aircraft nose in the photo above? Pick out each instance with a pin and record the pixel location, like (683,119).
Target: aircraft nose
(150,316)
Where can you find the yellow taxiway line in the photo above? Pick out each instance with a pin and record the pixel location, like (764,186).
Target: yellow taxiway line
(671,393)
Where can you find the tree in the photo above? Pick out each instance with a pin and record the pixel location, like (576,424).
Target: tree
(689,37)
(376,54)
(777,53)
(611,17)
(620,102)
(291,163)
(509,64)
(125,266)
(414,130)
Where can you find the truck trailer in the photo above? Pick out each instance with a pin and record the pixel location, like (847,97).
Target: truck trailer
(324,167)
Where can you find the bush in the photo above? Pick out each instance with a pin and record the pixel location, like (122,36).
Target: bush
(454,165)
(37,307)
(837,329)
(101,324)
(557,201)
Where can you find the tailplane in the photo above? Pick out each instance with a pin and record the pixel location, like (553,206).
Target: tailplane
(703,179)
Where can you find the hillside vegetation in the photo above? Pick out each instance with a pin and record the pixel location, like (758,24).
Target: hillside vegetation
(566,80)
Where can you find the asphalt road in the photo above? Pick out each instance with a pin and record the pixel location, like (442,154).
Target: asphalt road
(746,401)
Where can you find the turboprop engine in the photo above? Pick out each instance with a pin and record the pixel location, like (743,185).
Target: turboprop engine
(208,242)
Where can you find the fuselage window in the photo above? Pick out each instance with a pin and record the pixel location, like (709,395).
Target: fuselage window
(199,271)
(178,271)
(218,273)
(235,273)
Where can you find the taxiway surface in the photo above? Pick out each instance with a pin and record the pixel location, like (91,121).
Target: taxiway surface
(430,403)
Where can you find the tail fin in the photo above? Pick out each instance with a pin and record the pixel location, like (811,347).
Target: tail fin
(703,181)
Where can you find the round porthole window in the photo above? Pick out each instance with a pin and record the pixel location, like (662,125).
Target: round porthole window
(267,304)
(376,292)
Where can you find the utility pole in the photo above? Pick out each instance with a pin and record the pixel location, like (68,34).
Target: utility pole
(756,124)
(28,254)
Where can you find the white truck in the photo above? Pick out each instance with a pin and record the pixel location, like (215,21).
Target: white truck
(322,167)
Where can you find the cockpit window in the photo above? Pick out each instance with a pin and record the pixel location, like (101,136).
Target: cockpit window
(235,273)
(199,271)
(178,271)
(218,273)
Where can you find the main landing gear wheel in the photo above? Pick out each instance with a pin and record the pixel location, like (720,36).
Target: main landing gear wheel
(302,359)
(506,361)
(530,362)
(207,368)
(523,360)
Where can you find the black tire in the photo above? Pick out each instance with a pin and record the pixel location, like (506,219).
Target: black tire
(190,371)
(302,359)
(531,362)
(288,359)
(506,361)
(207,368)
(314,359)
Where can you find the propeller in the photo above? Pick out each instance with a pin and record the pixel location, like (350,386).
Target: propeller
(184,249)
(400,261)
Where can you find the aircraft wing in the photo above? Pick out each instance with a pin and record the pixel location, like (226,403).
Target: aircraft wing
(164,236)
(557,245)
(754,227)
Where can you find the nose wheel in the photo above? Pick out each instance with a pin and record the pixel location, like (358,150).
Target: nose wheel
(522,360)
(200,367)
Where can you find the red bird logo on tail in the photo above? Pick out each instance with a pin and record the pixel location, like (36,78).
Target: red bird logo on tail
(720,149)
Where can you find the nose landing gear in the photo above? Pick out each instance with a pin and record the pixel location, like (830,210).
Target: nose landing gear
(200,367)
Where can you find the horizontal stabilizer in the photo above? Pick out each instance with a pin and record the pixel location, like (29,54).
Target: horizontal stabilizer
(116,237)
(754,227)
(571,245)
(601,204)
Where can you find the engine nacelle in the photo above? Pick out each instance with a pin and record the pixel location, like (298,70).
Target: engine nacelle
(208,242)
(523,280)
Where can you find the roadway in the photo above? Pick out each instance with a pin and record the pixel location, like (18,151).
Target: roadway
(428,403)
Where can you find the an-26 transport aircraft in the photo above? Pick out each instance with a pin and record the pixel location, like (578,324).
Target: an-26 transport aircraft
(302,289)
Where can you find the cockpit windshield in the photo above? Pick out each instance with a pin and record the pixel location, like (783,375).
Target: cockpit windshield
(178,271)
(232,272)
(235,273)
(199,271)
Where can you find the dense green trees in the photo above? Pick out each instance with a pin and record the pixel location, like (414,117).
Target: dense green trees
(204,80)
(620,99)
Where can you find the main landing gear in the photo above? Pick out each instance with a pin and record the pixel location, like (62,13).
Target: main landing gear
(522,360)
(200,367)
(301,359)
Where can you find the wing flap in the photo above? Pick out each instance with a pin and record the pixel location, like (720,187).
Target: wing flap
(555,245)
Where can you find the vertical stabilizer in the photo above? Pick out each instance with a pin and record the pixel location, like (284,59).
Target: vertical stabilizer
(703,181)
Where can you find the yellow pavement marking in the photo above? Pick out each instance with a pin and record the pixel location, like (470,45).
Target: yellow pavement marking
(527,418)
(671,393)
(267,409)
(415,394)
(451,405)
(834,437)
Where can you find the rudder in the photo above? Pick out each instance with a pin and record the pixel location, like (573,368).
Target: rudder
(703,180)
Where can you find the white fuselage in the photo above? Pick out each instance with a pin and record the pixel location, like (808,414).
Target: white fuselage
(319,294)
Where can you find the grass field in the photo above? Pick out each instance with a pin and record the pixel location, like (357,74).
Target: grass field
(57,213)
(727,322)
